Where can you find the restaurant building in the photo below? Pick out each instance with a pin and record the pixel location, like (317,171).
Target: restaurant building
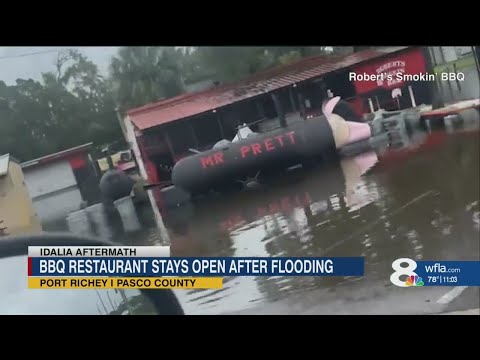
(164,132)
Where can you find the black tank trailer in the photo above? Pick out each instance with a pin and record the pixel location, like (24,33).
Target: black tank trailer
(269,155)
(264,153)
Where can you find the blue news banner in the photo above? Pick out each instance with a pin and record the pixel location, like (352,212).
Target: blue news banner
(405,272)
(188,266)
(408,272)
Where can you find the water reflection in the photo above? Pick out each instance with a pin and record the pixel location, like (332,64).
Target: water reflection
(419,201)
(280,221)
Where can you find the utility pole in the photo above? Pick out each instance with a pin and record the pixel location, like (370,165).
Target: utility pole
(476,56)
(118,112)
(101,302)
(125,300)
(110,301)
(437,98)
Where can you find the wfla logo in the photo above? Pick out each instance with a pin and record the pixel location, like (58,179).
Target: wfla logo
(412,278)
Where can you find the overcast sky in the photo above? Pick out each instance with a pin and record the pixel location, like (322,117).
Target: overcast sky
(28,65)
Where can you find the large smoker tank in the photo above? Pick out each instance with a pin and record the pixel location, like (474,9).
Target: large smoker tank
(278,149)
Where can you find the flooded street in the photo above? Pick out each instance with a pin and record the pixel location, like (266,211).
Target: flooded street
(357,164)
(418,200)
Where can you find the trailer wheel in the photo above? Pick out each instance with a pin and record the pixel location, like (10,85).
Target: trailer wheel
(251,183)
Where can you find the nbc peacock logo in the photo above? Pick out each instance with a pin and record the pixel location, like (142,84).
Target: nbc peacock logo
(414,280)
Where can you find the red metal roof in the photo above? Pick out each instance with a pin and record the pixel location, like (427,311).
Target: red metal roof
(57,156)
(190,104)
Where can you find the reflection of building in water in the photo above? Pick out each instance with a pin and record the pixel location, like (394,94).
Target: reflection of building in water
(433,220)
(421,206)
(357,192)
(298,223)
(122,302)
(316,227)
(297,220)
(244,242)
(276,225)
(195,232)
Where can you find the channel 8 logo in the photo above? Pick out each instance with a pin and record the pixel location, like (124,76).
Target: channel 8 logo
(411,277)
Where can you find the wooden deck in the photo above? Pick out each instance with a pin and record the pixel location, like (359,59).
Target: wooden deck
(454,108)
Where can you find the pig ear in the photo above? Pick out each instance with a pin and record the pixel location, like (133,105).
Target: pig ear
(330,105)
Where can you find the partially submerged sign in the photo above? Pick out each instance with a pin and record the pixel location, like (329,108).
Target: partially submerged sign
(4,162)
(16,209)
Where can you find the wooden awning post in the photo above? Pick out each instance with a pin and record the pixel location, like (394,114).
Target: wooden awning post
(195,139)
(169,144)
(450,88)
(322,88)
(301,102)
(370,105)
(260,109)
(219,121)
(111,166)
(412,97)
(279,109)
(290,93)
(95,165)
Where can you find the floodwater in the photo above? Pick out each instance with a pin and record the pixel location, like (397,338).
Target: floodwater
(417,199)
